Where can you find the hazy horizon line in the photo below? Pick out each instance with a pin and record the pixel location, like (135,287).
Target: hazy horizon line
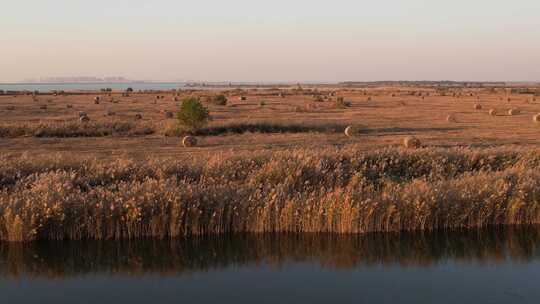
(267,81)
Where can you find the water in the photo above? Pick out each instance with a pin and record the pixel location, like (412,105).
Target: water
(71,87)
(464,267)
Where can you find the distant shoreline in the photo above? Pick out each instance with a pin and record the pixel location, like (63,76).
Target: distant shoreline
(43,87)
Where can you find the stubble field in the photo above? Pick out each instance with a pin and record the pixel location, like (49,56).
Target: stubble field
(266,120)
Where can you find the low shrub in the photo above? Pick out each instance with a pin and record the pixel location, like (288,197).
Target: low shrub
(220,100)
(192,114)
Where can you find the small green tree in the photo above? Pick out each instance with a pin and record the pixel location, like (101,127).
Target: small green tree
(192,114)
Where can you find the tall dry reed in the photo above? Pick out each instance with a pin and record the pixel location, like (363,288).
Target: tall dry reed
(303,190)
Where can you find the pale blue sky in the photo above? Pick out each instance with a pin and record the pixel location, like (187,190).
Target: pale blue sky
(241,40)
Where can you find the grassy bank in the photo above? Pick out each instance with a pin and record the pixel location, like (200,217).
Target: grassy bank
(329,190)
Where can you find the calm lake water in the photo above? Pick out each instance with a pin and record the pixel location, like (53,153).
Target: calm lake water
(459,267)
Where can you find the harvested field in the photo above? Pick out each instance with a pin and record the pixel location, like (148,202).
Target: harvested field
(267,119)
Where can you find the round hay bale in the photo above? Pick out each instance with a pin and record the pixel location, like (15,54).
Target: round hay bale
(351,131)
(175,98)
(478,106)
(242,98)
(169,114)
(84,119)
(189,141)
(81,114)
(69,106)
(493,112)
(536,118)
(411,142)
(138,116)
(451,118)
(318,98)
(97,99)
(513,111)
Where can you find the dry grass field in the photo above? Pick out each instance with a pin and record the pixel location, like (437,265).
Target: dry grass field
(292,119)
(269,161)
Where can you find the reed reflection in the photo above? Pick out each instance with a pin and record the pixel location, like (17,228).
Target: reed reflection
(136,258)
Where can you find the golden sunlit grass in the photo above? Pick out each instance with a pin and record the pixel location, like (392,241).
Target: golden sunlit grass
(301,190)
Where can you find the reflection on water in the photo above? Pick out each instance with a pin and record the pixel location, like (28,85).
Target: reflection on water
(480,266)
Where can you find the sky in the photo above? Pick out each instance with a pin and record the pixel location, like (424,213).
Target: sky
(278,40)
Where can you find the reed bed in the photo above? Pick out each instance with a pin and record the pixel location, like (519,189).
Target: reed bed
(329,190)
